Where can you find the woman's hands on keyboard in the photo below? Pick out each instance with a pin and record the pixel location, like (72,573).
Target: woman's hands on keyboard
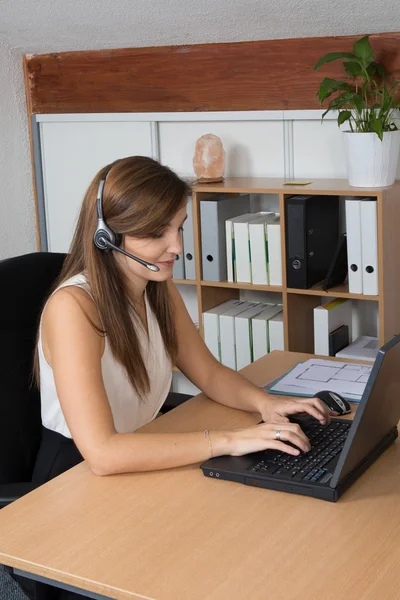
(268,436)
(277,432)
(278,410)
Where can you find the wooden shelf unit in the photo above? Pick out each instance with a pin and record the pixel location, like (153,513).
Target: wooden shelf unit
(298,304)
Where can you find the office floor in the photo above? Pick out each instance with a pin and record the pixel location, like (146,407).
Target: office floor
(9,589)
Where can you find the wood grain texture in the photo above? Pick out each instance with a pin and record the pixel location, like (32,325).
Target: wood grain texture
(261,75)
(389,263)
(277,185)
(29,111)
(176,535)
(300,322)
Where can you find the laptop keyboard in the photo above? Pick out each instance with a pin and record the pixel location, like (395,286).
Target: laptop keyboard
(326,441)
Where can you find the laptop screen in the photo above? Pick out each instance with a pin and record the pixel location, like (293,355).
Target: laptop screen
(378,411)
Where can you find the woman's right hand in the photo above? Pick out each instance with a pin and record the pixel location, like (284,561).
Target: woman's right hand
(264,436)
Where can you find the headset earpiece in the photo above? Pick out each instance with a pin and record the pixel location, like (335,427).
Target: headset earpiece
(104,237)
(104,233)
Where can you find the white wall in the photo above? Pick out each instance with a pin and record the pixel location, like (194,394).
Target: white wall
(17,214)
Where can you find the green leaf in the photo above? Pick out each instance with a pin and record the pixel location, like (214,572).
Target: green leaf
(344,116)
(363,50)
(376,125)
(340,101)
(357,100)
(331,56)
(353,69)
(380,69)
(329,85)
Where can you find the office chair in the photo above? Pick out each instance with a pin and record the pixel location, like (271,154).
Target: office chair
(25,283)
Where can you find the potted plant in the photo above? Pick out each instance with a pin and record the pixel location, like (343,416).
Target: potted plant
(368,103)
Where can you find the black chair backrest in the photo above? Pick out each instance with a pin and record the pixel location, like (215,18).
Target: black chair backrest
(25,282)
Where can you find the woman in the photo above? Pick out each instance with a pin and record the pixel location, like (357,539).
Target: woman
(112,329)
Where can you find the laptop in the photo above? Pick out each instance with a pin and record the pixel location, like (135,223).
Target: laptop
(340,452)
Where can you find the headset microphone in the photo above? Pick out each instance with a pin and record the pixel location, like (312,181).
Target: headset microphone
(105,243)
(104,237)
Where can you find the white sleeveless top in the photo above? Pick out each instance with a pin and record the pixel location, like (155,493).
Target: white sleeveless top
(128,410)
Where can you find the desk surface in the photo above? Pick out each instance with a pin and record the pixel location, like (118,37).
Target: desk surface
(177,535)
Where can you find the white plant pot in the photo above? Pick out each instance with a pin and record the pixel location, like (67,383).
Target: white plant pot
(370,162)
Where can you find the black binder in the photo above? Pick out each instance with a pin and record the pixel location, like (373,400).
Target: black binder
(312,232)
(337,271)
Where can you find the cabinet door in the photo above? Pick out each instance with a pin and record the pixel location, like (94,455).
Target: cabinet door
(72,153)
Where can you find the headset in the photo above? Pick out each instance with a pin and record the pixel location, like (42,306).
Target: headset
(104,237)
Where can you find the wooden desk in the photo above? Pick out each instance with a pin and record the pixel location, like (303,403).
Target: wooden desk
(177,535)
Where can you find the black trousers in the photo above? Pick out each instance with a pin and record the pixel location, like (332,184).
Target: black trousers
(56,455)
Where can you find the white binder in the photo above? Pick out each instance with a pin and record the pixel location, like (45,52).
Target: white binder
(353,239)
(274,253)
(179,267)
(369,247)
(329,317)
(213,214)
(243,335)
(211,326)
(242,247)
(230,245)
(275,330)
(188,242)
(227,333)
(258,248)
(260,330)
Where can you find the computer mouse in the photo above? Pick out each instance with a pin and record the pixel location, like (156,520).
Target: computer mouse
(334,401)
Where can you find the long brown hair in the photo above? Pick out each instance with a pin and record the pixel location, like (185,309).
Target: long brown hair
(140,197)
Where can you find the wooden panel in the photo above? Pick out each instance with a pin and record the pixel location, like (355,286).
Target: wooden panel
(262,75)
(338,291)
(211,297)
(184,282)
(35,195)
(284,275)
(300,322)
(243,286)
(270,185)
(174,534)
(389,263)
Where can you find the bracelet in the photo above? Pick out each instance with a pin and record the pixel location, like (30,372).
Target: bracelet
(207,435)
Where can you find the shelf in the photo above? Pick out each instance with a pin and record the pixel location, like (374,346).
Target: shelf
(339,291)
(270,185)
(242,286)
(298,304)
(185,281)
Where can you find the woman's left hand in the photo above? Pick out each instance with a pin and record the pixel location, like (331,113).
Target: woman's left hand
(278,411)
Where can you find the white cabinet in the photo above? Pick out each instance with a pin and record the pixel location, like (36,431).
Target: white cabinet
(72,153)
